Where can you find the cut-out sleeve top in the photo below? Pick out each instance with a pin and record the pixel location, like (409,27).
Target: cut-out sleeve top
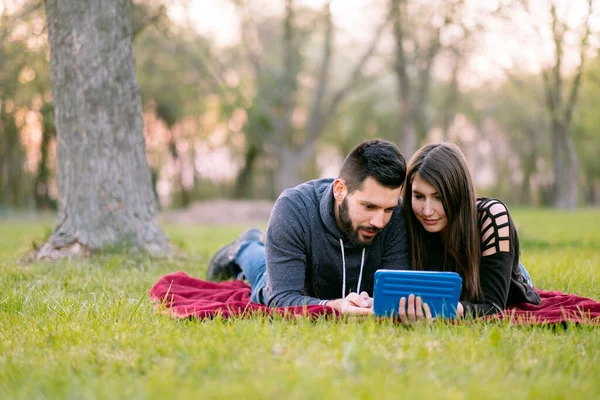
(502,283)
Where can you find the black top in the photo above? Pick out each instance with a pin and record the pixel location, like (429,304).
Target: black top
(502,283)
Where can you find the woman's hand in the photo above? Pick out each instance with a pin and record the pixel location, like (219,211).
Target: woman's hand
(415,310)
(460,310)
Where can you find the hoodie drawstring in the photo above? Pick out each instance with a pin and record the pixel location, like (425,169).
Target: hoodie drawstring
(362,263)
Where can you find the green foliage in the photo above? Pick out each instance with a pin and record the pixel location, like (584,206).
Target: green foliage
(172,72)
(366,115)
(86,329)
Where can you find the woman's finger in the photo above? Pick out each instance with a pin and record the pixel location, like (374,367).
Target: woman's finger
(427,311)
(419,307)
(411,308)
(402,308)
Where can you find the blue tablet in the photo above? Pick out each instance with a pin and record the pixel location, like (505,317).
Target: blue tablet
(440,290)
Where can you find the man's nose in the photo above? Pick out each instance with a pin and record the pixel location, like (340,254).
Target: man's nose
(378,219)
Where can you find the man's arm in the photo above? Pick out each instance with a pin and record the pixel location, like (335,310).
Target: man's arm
(286,259)
(285,254)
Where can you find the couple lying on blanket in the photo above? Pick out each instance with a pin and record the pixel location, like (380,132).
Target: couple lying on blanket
(326,238)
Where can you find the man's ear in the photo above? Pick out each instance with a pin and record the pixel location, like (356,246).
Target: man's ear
(340,190)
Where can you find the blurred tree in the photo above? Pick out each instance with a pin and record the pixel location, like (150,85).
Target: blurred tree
(43,200)
(180,90)
(13,58)
(419,30)
(521,119)
(294,150)
(365,115)
(37,95)
(560,100)
(105,197)
(293,141)
(586,132)
(566,162)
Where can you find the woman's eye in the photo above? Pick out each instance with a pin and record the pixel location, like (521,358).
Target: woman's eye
(419,196)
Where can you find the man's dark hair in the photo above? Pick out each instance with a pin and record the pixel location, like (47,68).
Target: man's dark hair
(378,159)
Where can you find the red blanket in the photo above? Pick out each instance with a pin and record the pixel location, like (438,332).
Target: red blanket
(183,296)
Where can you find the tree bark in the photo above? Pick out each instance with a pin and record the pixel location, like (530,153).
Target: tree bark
(105,194)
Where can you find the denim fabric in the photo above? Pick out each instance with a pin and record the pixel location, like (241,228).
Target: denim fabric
(526,275)
(251,259)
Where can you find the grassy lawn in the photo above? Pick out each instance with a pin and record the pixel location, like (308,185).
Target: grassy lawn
(86,329)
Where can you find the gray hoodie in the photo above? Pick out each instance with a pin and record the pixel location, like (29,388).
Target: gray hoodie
(306,263)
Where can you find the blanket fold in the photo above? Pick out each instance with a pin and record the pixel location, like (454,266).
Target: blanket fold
(182,296)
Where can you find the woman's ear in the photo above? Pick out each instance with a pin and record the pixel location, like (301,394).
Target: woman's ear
(339,189)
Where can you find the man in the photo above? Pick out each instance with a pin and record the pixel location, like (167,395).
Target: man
(327,237)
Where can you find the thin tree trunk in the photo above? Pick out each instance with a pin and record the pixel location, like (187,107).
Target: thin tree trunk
(105,194)
(565,168)
(408,132)
(13,159)
(243,181)
(573,174)
(558,166)
(42,179)
(290,163)
(2,149)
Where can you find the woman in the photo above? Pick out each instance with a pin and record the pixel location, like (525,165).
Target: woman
(450,230)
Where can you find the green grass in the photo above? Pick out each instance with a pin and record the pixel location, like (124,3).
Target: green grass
(86,329)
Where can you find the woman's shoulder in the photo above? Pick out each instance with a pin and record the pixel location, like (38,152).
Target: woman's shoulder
(494,223)
(490,205)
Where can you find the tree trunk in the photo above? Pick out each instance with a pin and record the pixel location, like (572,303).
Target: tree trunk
(558,166)
(3,144)
(105,194)
(528,166)
(243,181)
(565,168)
(12,160)
(408,132)
(408,138)
(291,161)
(572,173)
(42,179)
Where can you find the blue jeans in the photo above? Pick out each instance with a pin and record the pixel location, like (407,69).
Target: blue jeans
(525,275)
(251,259)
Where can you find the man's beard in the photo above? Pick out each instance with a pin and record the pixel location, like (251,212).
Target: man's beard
(348,229)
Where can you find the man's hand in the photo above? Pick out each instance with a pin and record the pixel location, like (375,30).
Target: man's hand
(414,311)
(353,304)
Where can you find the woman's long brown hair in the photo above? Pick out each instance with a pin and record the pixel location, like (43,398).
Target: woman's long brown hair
(443,166)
